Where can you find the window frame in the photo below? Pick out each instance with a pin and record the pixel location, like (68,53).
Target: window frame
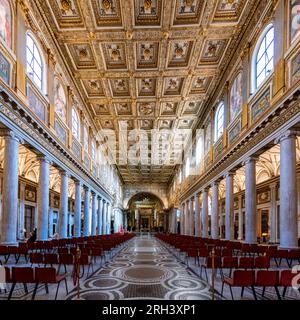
(31,64)
(78,125)
(262,38)
(219,130)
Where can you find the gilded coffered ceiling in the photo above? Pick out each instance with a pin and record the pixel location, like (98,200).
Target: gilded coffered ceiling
(153,63)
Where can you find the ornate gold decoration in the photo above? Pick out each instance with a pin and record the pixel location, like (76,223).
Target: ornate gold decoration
(106,4)
(147,4)
(66,5)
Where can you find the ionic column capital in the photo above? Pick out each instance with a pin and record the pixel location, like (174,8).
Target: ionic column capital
(64,173)
(251,159)
(42,158)
(288,134)
(99,198)
(93,193)
(9,134)
(86,188)
(77,183)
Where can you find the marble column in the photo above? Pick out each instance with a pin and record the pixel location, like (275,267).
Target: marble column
(87,219)
(10,189)
(215,211)
(43,199)
(229,207)
(205,213)
(288,191)
(174,229)
(63,205)
(100,210)
(108,221)
(77,213)
(192,219)
(273,215)
(94,214)
(182,219)
(187,218)
(104,217)
(250,200)
(241,220)
(197,215)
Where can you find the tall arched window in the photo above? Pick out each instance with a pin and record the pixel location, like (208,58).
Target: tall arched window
(199,149)
(187,167)
(35,65)
(85,138)
(5,22)
(263,59)
(93,150)
(219,121)
(236,97)
(75,124)
(60,100)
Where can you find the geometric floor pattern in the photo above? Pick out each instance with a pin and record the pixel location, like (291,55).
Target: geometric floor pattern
(143,270)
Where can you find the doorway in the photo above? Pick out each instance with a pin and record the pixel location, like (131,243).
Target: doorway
(29,219)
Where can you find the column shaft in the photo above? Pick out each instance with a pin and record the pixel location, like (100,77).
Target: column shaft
(100,209)
(251,214)
(229,216)
(63,205)
(192,219)
(215,211)
(288,192)
(87,218)
(94,214)
(10,190)
(104,217)
(197,216)
(241,220)
(205,214)
(77,213)
(43,200)
(273,215)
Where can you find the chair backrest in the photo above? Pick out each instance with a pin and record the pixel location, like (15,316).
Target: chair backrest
(267,278)
(51,258)
(246,263)
(23,275)
(230,262)
(36,257)
(84,259)
(63,250)
(66,258)
(243,278)
(45,275)
(287,277)
(262,262)
(217,262)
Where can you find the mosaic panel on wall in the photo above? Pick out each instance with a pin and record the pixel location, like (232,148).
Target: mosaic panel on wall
(5,22)
(207,135)
(295,69)
(4,69)
(60,100)
(295,19)
(234,133)
(260,105)
(236,97)
(35,104)
(60,131)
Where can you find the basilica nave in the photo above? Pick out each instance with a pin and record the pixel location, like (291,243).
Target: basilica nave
(149,149)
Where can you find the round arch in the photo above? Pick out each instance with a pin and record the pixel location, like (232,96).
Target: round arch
(133,197)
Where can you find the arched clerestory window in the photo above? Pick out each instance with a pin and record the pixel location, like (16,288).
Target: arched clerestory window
(219,121)
(75,124)
(263,57)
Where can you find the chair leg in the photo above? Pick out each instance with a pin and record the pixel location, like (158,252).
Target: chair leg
(57,291)
(284,291)
(254,293)
(277,292)
(25,288)
(222,290)
(46,288)
(263,292)
(66,286)
(11,291)
(34,291)
(242,292)
(232,297)
(206,274)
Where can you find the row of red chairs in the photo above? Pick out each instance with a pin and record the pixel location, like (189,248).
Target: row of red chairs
(260,278)
(36,276)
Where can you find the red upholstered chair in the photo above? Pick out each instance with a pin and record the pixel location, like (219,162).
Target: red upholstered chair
(62,250)
(209,265)
(286,279)
(203,253)
(51,259)
(226,252)
(293,255)
(241,278)
(97,252)
(65,260)
(47,276)
(262,262)
(230,263)
(36,258)
(246,263)
(4,253)
(23,275)
(192,253)
(86,261)
(281,254)
(267,278)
